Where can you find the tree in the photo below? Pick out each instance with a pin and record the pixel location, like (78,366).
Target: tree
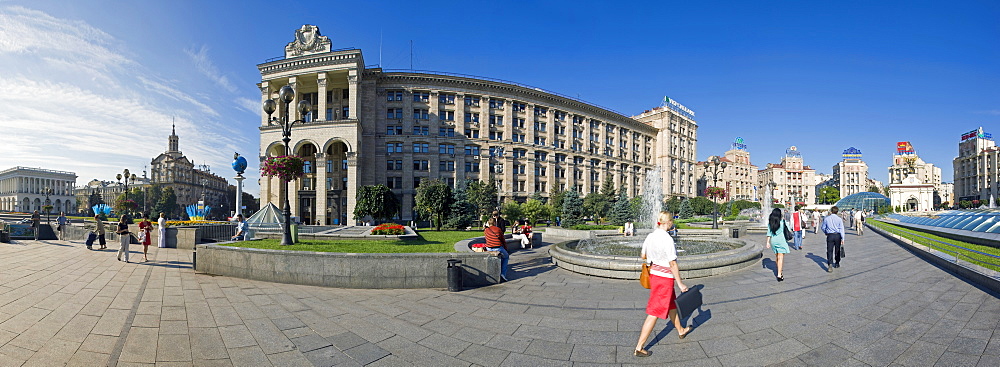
(686,211)
(739,205)
(534,210)
(556,202)
(167,203)
(873,188)
(673,205)
(701,205)
(463,213)
(434,198)
(94,199)
(537,195)
(829,195)
(622,211)
(512,211)
(376,201)
(572,209)
(597,205)
(608,188)
(483,196)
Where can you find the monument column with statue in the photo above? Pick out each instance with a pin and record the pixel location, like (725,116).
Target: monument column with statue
(240,166)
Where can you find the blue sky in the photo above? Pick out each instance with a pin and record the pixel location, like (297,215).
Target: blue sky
(92,87)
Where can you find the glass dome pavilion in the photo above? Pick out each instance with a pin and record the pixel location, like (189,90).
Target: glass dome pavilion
(976,220)
(863,200)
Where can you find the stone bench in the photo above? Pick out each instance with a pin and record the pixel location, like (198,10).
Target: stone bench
(511,244)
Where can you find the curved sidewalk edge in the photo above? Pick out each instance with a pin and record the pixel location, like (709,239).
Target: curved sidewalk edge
(971,272)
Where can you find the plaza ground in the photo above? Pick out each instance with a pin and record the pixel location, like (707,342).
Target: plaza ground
(62,304)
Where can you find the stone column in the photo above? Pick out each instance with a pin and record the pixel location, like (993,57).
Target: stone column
(352,84)
(321,82)
(321,189)
(293,113)
(265,94)
(352,184)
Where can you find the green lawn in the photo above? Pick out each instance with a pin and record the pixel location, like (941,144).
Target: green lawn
(964,255)
(429,241)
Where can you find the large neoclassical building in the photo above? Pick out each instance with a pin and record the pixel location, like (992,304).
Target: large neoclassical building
(371,126)
(22,189)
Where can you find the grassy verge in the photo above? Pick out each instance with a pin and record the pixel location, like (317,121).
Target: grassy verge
(925,239)
(429,241)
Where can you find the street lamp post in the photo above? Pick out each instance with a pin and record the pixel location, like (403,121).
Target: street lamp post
(286,95)
(126,176)
(716,167)
(48,212)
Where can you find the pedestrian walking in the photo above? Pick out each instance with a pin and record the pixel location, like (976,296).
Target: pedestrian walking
(776,241)
(124,236)
(798,228)
(817,219)
(859,221)
(36,223)
(101,238)
(145,232)
(496,242)
(61,224)
(659,252)
(833,226)
(162,225)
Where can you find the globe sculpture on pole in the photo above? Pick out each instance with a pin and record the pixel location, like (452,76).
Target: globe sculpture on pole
(240,166)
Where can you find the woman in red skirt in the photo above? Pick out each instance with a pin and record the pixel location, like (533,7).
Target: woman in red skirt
(658,250)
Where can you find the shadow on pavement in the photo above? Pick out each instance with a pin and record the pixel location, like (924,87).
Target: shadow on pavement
(820,261)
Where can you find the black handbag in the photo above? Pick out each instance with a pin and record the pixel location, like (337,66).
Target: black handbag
(843,253)
(688,301)
(788,232)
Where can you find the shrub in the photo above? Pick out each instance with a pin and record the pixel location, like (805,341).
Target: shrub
(591,227)
(390,229)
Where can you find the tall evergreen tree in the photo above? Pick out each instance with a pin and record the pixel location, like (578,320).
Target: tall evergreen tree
(572,209)
(462,213)
(686,211)
(622,211)
(434,198)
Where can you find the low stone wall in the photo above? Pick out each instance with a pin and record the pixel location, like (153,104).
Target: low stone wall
(344,270)
(694,266)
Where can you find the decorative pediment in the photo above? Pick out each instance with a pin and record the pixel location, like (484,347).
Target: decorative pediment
(307,41)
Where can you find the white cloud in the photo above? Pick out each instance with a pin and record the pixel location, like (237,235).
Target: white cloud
(208,69)
(74,99)
(989,112)
(248,105)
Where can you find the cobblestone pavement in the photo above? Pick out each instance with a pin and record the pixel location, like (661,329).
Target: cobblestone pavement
(62,304)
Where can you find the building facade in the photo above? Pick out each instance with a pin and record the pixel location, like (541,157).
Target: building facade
(23,189)
(850,175)
(739,178)
(976,172)
(109,192)
(789,182)
(191,183)
(370,126)
(914,185)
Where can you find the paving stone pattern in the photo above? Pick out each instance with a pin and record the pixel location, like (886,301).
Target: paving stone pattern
(61,304)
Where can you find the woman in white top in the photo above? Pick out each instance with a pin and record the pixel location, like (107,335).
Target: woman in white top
(658,250)
(162,223)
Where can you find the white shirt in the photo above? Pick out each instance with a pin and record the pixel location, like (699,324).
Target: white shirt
(162,222)
(659,248)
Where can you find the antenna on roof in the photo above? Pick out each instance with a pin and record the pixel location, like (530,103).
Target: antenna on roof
(411,55)
(380,47)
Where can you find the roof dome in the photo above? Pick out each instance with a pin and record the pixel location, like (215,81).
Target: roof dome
(863,200)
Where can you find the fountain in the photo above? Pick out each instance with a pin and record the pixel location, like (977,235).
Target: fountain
(701,252)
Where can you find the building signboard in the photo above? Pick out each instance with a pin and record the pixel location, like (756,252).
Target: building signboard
(852,153)
(904,147)
(738,144)
(677,107)
(978,133)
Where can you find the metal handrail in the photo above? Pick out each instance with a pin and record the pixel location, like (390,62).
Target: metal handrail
(954,253)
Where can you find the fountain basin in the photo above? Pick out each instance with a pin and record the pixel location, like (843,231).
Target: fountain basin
(740,254)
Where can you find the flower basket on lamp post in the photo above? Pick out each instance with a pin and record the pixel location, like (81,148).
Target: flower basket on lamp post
(715,193)
(285,167)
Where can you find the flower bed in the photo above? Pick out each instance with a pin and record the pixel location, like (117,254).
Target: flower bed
(390,229)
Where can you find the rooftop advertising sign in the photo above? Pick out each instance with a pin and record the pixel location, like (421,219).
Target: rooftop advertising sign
(852,153)
(904,147)
(677,107)
(978,133)
(739,144)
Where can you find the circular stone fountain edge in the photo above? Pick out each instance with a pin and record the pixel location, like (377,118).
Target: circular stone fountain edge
(618,267)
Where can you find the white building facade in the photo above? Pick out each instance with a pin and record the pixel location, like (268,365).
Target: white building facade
(850,175)
(371,126)
(914,185)
(789,182)
(976,172)
(22,189)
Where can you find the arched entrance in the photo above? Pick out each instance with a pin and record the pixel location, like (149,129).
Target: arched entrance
(336,183)
(911,204)
(306,188)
